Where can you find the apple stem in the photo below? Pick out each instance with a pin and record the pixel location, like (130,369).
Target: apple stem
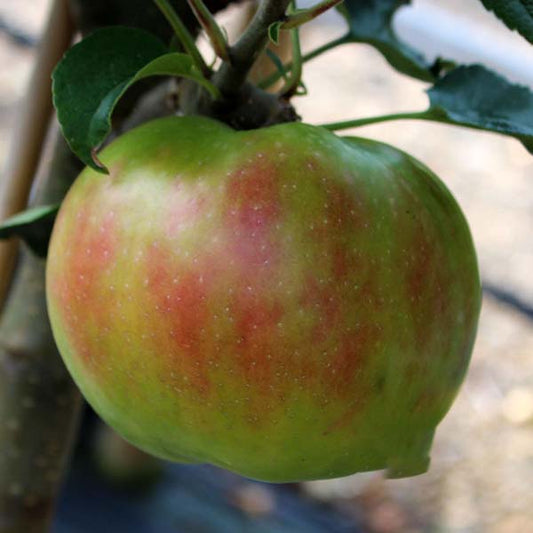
(211,28)
(232,75)
(417,115)
(274,77)
(183,35)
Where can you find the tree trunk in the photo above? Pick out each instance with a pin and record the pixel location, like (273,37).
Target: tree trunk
(39,403)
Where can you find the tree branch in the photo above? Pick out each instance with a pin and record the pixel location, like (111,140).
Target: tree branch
(28,138)
(232,75)
(39,403)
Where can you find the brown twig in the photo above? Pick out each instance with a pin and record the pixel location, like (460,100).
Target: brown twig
(28,138)
(39,403)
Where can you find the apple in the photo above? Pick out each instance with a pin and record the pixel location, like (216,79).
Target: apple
(284,303)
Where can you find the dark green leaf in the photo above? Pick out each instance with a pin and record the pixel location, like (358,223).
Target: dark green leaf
(370,21)
(34,226)
(517,15)
(89,71)
(174,64)
(273,32)
(476,97)
(94,75)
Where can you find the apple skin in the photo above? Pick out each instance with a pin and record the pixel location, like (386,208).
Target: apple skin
(284,303)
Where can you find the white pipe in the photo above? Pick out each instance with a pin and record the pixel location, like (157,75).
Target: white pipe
(439,31)
(466,35)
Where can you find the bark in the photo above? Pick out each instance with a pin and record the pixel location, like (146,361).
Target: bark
(39,404)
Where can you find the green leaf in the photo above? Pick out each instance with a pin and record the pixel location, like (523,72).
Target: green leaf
(176,64)
(34,226)
(95,73)
(476,97)
(173,64)
(273,32)
(516,14)
(370,21)
(89,71)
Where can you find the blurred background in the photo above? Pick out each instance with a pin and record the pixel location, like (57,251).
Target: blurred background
(482,461)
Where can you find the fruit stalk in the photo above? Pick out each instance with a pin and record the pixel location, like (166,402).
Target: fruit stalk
(242,105)
(231,76)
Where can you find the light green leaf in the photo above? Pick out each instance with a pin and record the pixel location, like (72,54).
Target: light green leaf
(95,73)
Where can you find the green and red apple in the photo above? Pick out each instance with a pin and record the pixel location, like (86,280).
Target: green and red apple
(284,303)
